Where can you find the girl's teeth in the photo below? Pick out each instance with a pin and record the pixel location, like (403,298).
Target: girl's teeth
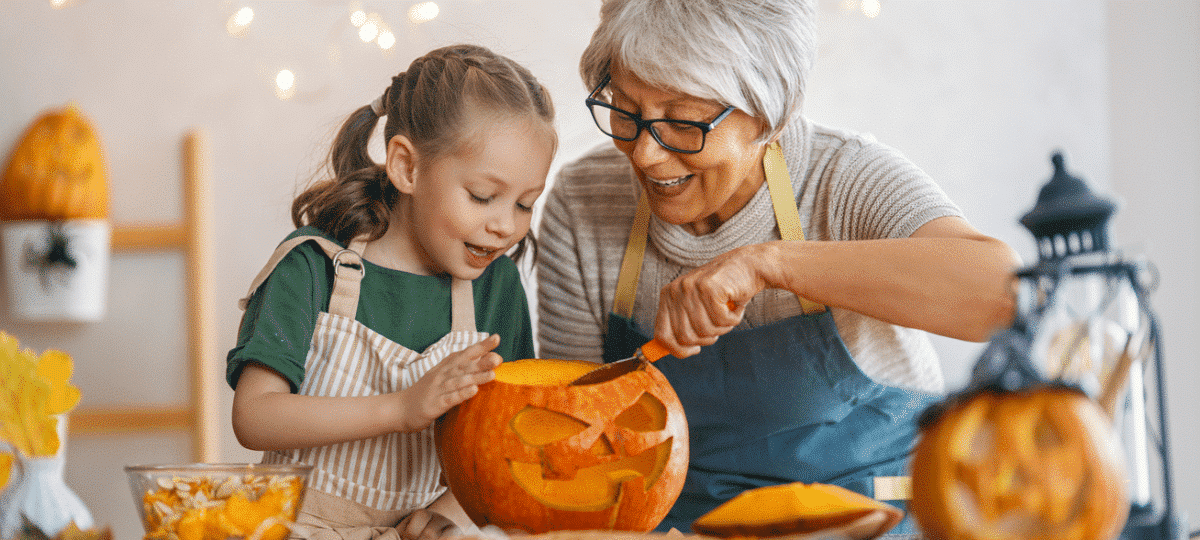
(478,252)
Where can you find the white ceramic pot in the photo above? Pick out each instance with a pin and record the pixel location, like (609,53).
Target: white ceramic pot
(56,271)
(38,492)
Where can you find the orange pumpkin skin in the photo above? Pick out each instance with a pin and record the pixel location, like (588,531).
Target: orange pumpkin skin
(540,455)
(57,171)
(1041,463)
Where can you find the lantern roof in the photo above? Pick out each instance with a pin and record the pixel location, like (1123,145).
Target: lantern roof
(1068,217)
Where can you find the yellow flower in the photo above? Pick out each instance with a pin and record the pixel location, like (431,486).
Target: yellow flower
(33,390)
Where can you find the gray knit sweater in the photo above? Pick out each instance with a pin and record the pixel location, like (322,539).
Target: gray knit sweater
(848,187)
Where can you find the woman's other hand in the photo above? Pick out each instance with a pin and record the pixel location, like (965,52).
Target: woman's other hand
(449,383)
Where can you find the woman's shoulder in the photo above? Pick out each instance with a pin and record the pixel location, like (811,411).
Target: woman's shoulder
(844,148)
(601,166)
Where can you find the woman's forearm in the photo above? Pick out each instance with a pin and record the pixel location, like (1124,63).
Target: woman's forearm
(960,287)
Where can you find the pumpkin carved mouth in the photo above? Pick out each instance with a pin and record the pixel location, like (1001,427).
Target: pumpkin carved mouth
(593,488)
(567,484)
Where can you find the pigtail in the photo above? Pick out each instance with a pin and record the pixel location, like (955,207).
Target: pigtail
(358,198)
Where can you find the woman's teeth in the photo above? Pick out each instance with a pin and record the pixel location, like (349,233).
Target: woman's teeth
(670,181)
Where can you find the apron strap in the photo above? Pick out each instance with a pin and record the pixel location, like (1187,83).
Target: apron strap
(783,199)
(462,305)
(348,271)
(631,263)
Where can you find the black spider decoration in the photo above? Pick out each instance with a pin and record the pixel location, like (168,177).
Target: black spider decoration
(57,255)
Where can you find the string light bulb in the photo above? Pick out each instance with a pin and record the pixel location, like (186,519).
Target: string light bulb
(285,84)
(423,12)
(239,23)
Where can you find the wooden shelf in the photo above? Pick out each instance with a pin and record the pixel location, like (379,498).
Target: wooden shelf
(106,421)
(191,237)
(148,237)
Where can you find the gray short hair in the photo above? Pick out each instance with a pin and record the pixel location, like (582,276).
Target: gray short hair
(752,54)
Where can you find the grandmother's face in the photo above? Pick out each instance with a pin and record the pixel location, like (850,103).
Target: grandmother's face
(698,191)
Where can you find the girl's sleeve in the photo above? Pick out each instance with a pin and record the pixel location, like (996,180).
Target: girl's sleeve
(277,326)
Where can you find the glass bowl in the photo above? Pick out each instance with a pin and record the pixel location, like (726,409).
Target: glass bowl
(199,501)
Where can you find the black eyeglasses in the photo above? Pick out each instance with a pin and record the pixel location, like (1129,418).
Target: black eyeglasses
(683,136)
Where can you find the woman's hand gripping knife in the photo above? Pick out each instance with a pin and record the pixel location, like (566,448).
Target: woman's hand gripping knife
(947,278)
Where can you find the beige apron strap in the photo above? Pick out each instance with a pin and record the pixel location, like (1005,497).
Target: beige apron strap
(462,305)
(631,263)
(348,271)
(779,183)
(783,198)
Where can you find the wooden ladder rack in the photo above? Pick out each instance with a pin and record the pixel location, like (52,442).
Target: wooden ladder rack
(192,236)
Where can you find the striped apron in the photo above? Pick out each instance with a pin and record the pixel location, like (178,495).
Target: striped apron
(361,489)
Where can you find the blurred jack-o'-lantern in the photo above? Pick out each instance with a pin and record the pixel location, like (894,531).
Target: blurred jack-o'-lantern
(532,452)
(1017,458)
(57,171)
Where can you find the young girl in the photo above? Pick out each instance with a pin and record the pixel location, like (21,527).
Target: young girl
(394,299)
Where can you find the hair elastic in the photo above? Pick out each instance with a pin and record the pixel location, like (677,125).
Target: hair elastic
(377,106)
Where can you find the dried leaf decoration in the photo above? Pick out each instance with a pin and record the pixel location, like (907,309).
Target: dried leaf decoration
(6,461)
(33,391)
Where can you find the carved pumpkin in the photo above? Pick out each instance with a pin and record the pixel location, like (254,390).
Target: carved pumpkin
(532,452)
(57,171)
(799,508)
(1037,463)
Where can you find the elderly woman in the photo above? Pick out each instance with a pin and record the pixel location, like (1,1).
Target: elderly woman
(792,269)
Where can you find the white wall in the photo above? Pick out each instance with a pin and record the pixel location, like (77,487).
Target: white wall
(977,93)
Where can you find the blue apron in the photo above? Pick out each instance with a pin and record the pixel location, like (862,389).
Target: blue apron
(778,403)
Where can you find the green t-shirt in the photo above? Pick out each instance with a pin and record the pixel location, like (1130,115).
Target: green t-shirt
(409,309)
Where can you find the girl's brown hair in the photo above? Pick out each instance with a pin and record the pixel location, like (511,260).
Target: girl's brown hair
(425,104)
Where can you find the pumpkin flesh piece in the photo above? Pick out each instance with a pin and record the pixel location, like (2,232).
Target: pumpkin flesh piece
(789,509)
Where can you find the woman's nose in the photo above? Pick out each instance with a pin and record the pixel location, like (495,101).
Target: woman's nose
(646,151)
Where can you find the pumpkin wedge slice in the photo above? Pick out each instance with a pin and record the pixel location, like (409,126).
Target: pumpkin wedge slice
(796,509)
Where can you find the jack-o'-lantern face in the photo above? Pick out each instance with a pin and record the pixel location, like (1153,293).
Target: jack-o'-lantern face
(539,455)
(1040,463)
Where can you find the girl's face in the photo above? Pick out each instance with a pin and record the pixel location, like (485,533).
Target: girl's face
(698,191)
(467,208)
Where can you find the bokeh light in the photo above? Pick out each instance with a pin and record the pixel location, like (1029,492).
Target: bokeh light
(423,12)
(386,40)
(357,15)
(239,23)
(871,8)
(59,4)
(370,29)
(285,84)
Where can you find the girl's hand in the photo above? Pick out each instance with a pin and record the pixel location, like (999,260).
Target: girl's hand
(424,524)
(452,381)
(708,302)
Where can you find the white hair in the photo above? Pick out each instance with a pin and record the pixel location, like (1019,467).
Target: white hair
(752,54)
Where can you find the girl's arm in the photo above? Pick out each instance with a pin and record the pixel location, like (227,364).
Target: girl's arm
(267,416)
(946,278)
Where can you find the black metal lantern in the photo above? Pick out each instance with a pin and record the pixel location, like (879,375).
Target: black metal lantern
(1087,309)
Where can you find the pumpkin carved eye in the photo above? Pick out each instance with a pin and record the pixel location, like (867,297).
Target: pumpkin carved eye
(646,414)
(536,426)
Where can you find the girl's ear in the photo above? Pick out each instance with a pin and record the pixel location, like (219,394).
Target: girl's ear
(401,164)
